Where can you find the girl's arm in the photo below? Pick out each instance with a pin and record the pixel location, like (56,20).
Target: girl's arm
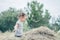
(16,26)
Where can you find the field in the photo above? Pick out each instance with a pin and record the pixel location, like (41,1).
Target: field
(34,34)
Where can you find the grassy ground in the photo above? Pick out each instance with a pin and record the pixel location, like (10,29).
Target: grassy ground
(8,36)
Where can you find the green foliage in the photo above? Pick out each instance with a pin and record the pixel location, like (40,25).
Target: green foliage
(56,24)
(36,17)
(46,18)
(8,19)
(26,27)
(35,13)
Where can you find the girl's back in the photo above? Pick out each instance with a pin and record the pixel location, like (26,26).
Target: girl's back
(19,30)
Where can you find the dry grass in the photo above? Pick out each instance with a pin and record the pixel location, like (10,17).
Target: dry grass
(58,35)
(41,33)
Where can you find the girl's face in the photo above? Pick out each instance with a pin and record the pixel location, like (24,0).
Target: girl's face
(22,18)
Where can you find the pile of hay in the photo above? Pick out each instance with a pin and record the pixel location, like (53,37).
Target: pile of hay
(58,35)
(42,33)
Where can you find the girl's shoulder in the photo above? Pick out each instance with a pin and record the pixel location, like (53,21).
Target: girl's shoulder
(17,21)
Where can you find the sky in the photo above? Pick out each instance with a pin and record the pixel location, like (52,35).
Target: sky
(52,5)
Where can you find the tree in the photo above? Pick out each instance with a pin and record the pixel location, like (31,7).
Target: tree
(57,24)
(36,17)
(46,18)
(8,19)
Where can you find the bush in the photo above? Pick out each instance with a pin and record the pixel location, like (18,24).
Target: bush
(8,19)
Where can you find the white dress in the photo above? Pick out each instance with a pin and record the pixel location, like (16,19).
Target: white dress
(19,31)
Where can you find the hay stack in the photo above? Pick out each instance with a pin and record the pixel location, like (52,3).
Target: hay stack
(58,35)
(42,33)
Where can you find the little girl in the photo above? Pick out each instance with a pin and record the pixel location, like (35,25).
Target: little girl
(19,25)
